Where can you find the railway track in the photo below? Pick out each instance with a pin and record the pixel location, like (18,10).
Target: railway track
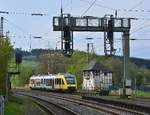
(136,105)
(115,109)
(100,107)
(49,107)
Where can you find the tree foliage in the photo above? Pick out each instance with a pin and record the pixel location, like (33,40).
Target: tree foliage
(22,79)
(5,55)
(57,63)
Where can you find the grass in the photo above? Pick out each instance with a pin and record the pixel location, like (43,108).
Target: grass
(22,106)
(142,94)
(14,106)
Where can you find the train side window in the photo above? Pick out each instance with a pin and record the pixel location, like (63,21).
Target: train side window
(105,73)
(55,81)
(51,81)
(38,82)
(59,81)
(48,82)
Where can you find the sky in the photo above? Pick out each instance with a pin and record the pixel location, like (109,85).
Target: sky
(21,25)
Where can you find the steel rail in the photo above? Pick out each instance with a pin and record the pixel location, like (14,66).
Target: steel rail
(85,103)
(104,107)
(48,103)
(121,109)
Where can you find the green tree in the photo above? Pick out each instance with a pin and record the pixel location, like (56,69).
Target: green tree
(5,56)
(22,79)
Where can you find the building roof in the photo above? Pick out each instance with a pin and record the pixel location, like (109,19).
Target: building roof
(96,66)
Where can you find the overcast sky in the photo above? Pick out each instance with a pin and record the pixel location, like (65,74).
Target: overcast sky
(21,24)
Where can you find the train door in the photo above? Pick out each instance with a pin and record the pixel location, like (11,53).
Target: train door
(60,83)
(57,83)
(53,84)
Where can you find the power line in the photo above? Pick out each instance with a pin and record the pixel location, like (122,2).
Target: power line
(24,13)
(99,5)
(45,14)
(133,39)
(16,26)
(138,4)
(42,14)
(88,8)
(139,39)
(121,10)
(128,10)
(134,10)
(27,36)
(140,28)
(38,14)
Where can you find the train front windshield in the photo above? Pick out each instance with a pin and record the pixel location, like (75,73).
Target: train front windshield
(70,79)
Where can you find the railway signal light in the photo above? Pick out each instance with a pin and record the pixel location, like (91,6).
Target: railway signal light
(18,57)
(67,42)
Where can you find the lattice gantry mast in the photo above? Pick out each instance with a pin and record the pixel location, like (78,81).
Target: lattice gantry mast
(66,36)
(109,36)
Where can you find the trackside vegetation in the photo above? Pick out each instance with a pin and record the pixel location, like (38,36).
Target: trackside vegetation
(57,63)
(14,106)
(6,50)
(22,106)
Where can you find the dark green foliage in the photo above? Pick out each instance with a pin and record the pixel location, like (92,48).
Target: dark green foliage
(141,62)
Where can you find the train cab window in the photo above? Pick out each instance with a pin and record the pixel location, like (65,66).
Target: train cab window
(70,79)
(31,81)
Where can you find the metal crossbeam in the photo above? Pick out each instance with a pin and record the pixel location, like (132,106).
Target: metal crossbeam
(89,23)
(107,24)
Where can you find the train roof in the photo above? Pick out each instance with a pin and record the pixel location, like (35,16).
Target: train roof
(50,76)
(43,76)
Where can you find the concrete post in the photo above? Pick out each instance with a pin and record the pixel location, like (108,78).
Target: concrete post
(126,55)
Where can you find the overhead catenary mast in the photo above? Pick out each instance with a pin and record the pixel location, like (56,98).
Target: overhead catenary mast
(1,27)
